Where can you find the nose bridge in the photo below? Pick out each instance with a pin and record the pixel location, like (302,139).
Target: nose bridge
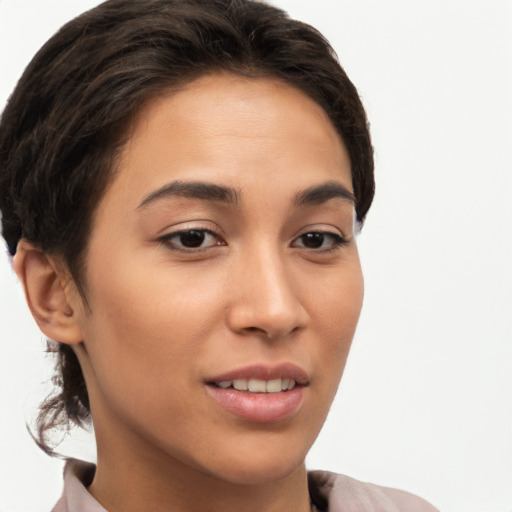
(265,298)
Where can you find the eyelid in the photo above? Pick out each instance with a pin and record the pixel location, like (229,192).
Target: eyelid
(328,229)
(198,225)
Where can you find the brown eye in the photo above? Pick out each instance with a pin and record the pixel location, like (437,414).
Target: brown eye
(192,239)
(318,240)
(313,240)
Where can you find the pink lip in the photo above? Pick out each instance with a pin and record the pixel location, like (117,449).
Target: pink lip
(260,407)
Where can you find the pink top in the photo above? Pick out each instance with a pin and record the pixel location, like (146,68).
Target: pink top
(337,493)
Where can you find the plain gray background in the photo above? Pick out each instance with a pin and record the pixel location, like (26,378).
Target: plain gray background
(425,403)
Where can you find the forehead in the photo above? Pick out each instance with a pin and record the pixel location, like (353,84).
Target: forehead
(234,130)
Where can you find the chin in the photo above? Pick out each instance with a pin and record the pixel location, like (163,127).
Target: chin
(260,466)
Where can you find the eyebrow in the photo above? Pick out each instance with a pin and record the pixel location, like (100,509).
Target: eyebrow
(206,191)
(194,190)
(320,194)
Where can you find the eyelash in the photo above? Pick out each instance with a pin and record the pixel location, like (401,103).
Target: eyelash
(337,241)
(167,240)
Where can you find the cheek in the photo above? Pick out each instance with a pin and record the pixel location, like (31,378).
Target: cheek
(155,296)
(337,309)
(142,341)
(337,302)
(148,327)
(153,316)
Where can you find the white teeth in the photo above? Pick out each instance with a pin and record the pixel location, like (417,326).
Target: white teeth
(240,384)
(274,386)
(258,385)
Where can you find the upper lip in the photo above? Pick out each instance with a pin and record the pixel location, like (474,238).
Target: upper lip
(264,372)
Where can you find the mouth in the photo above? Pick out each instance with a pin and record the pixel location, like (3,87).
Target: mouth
(260,393)
(257,385)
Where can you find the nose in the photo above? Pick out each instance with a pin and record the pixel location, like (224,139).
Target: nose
(266,299)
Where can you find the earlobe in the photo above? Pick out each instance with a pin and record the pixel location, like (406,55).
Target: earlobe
(45,291)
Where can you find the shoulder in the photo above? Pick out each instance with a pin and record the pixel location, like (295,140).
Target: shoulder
(341,493)
(75,498)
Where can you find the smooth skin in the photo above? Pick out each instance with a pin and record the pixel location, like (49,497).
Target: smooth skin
(184,284)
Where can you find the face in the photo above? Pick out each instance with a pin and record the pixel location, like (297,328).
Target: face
(222,258)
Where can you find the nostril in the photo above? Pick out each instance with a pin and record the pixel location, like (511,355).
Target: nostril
(257,330)
(270,333)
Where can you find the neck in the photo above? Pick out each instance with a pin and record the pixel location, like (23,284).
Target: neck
(128,482)
(182,489)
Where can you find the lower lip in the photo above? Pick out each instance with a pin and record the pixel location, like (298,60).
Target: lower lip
(259,407)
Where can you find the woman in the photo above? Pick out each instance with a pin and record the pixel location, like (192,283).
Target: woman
(182,183)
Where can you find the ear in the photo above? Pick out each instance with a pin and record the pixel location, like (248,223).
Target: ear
(47,291)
